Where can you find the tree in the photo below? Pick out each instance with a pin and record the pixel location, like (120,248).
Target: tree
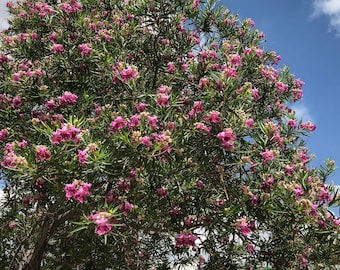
(149,134)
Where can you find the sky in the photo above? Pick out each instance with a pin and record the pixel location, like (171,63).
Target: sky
(306,33)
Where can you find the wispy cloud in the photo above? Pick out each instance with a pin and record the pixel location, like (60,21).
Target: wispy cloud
(329,8)
(302,112)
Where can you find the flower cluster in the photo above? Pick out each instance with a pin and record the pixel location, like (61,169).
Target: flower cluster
(103,221)
(78,190)
(186,240)
(67,133)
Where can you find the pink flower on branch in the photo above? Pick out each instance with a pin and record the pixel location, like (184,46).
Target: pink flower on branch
(85,49)
(67,99)
(78,190)
(103,221)
(42,153)
(227,138)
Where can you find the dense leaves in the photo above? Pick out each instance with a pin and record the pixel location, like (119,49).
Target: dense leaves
(149,134)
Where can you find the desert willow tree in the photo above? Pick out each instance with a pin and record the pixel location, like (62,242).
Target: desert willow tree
(126,144)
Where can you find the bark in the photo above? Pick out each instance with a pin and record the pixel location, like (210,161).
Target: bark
(32,258)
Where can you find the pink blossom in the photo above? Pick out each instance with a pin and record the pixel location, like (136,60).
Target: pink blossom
(298,192)
(22,144)
(281,87)
(102,226)
(204,82)
(230,72)
(57,48)
(297,94)
(171,67)
(134,121)
(214,117)
(250,123)
(50,105)
(186,240)
(102,220)
(324,196)
(202,127)
(78,190)
(118,124)
(267,155)
(152,121)
(42,153)
(242,225)
(67,133)
(146,141)
(3,135)
(235,60)
(67,99)
(82,157)
(292,123)
(308,126)
(163,100)
(128,74)
(162,193)
(16,102)
(85,49)
(141,107)
(227,138)
(126,207)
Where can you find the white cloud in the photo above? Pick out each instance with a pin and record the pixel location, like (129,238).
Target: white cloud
(302,112)
(329,8)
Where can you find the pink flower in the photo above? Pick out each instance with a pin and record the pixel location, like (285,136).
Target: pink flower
(152,121)
(118,124)
(267,155)
(324,196)
(57,48)
(102,226)
(242,225)
(66,133)
(16,102)
(85,49)
(102,220)
(126,207)
(50,105)
(146,141)
(162,193)
(134,121)
(129,73)
(204,82)
(297,94)
(42,153)
(171,67)
(281,87)
(82,157)
(235,60)
(250,123)
(214,117)
(202,127)
(67,99)
(298,191)
(186,240)
(308,126)
(78,190)
(292,123)
(141,107)
(3,135)
(227,138)
(163,100)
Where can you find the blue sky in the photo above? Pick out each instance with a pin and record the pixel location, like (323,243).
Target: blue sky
(306,33)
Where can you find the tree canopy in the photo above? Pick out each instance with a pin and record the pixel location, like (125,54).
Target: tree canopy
(154,134)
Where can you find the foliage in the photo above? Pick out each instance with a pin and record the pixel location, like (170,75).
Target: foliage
(149,134)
